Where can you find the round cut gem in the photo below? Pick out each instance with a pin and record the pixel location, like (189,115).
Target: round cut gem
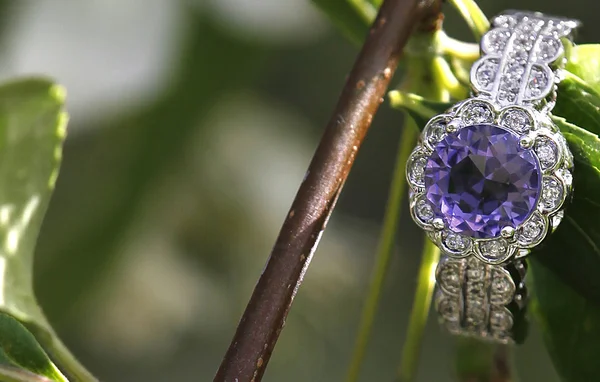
(480,180)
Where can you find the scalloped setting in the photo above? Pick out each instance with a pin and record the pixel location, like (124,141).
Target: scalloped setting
(504,199)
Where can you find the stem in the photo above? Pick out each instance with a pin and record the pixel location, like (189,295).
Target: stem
(67,361)
(473,16)
(384,250)
(410,101)
(419,313)
(263,319)
(466,51)
(366,10)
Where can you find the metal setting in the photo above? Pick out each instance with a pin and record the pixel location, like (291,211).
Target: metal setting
(481,280)
(482,300)
(514,86)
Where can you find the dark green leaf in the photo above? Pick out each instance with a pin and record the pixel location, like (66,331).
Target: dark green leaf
(579,103)
(572,251)
(22,349)
(569,323)
(348,17)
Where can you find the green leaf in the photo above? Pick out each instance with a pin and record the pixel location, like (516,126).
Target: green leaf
(419,108)
(32,129)
(584,62)
(578,102)
(572,252)
(570,325)
(352,17)
(21,348)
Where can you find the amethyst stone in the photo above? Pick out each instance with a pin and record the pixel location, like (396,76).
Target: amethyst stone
(480,179)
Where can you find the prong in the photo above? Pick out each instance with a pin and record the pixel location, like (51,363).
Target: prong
(507,232)
(453,126)
(526,141)
(438,224)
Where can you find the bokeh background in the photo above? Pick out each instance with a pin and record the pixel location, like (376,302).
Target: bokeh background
(193,122)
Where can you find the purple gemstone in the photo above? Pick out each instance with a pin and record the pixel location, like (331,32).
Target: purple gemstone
(480,180)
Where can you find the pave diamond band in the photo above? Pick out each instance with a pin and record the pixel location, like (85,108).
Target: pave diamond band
(522,57)
(482,300)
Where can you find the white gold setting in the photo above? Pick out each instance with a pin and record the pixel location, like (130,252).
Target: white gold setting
(480,279)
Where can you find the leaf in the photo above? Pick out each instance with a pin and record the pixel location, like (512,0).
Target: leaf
(570,325)
(584,62)
(579,103)
(572,252)
(32,129)
(419,108)
(21,348)
(352,17)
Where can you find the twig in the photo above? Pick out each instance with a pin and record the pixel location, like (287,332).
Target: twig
(384,252)
(263,320)
(419,312)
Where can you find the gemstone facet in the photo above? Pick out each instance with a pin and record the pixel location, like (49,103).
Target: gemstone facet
(480,180)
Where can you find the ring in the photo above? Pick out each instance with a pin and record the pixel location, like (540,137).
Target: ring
(490,177)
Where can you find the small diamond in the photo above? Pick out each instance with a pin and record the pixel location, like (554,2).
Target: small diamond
(475,270)
(436,132)
(476,289)
(502,288)
(495,40)
(500,320)
(565,175)
(449,278)
(416,172)
(505,21)
(546,151)
(449,310)
(494,249)
(532,231)
(475,312)
(477,113)
(486,72)
(424,211)
(548,49)
(516,119)
(524,41)
(538,82)
(456,242)
(552,193)
(519,57)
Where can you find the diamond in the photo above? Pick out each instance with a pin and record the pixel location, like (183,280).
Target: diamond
(416,169)
(565,175)
(424,211)
(475,270)
(500,320)
(546,151)
(519,57)
(436,131)
(524,41)
(477,112)
(495,40)
(455,242)
(486,72)
(502,288)
(475,312)
(449,278)
(552,193)
(480,179)
(548,50)
(476,289)
(538,82)
(532,231)
(516,119)
(494,250)
(449,310)
(505,21)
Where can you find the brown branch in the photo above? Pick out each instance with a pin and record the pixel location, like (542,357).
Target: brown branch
(363,92)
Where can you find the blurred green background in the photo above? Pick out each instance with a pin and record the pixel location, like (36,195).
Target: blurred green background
(193,122)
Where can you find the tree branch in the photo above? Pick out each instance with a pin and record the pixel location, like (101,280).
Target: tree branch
(263,320)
